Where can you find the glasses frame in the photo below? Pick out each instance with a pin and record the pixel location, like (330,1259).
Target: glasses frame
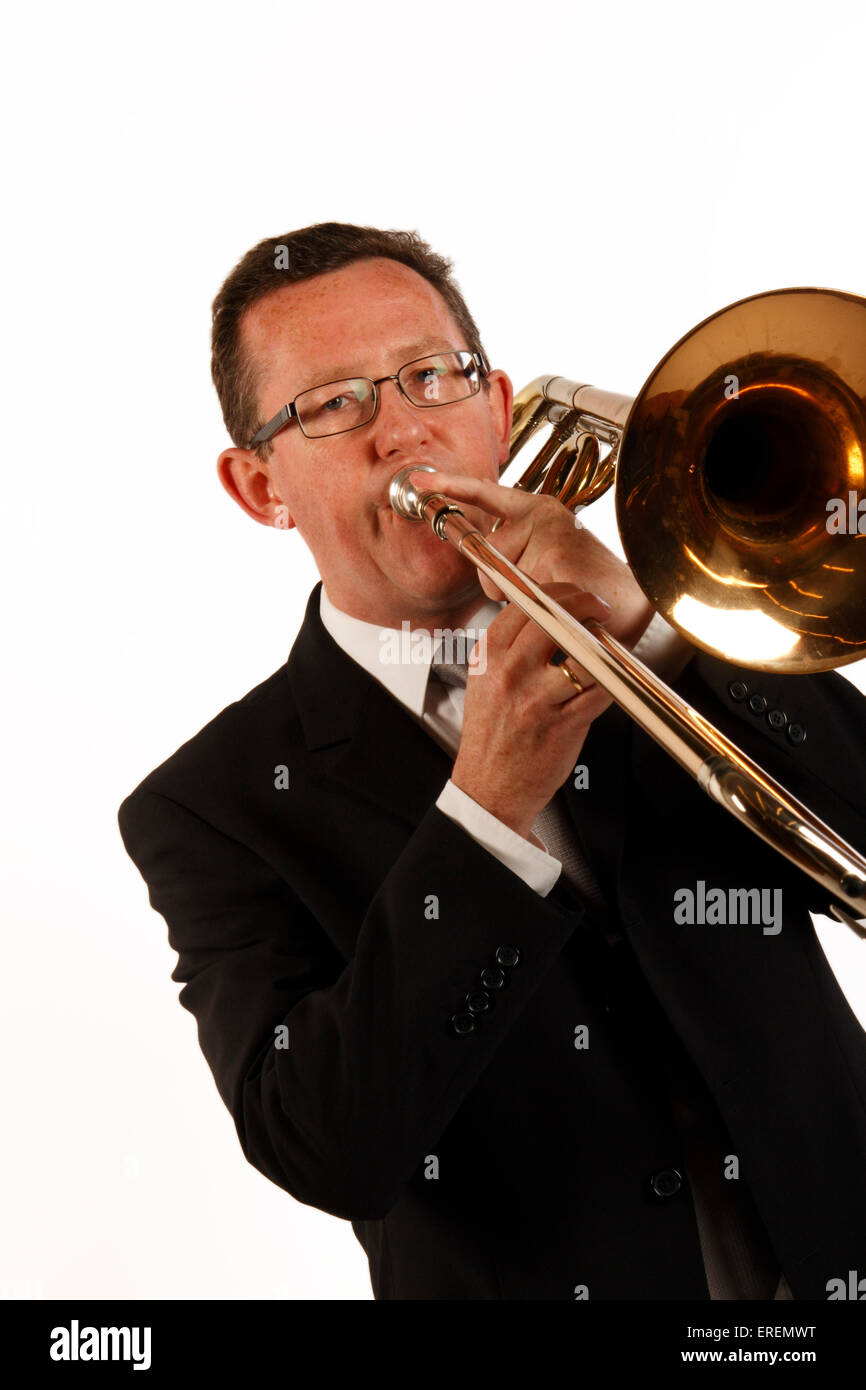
(288,413)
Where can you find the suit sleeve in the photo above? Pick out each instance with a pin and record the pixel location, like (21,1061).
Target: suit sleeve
(375,1067)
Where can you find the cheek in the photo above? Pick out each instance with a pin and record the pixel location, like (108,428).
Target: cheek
(334,529)
(474,448)
(315,495)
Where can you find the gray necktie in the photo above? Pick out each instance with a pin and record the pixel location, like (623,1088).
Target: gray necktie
(449,672)
(553,825)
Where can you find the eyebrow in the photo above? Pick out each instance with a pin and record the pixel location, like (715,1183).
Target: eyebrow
(408,352)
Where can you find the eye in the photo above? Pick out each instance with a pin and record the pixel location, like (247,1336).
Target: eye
(334,404)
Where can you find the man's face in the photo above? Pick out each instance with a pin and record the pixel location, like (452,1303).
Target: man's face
(367,319)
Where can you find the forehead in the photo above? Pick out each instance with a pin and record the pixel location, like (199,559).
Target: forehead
(345,322)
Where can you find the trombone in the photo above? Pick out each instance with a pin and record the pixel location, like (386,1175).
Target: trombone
(725,466)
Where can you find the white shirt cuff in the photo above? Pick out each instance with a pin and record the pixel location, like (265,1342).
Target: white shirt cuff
(666,653)
(538,869)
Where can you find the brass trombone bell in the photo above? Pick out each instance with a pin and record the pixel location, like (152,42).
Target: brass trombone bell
(746,439)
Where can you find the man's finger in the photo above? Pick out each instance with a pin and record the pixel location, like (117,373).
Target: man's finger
(508,502)
(513,628)
(531,648)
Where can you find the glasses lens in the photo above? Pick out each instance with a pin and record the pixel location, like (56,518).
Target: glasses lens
(334,407)
(449,376)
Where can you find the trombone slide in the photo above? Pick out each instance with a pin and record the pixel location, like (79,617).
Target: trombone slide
(719,767)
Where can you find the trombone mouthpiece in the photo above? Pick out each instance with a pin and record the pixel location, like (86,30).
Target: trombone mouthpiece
(403,495)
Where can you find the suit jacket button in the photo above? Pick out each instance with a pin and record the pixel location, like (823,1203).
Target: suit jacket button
(738,690)
(479,1002)
(777,719)
(492,977)
(507,955)
(796,734)
(757,704)
(463,1023)
(666,1182)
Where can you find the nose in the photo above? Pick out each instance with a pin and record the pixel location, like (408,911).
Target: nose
(398,426)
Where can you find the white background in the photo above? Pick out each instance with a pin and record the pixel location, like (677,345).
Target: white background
(603,179)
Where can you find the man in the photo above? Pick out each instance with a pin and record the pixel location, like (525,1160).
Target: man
(514,1071)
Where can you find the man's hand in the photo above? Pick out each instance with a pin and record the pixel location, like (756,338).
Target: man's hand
(541,536)
(523,721)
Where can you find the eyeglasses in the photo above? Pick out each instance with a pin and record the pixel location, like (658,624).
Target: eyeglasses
(338,406)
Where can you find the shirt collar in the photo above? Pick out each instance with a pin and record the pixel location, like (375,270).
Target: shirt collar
(390,655)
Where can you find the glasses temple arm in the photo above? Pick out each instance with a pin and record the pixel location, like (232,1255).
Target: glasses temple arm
(276,423)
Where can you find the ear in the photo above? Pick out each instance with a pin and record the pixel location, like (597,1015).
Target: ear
(247,481)
(501,400)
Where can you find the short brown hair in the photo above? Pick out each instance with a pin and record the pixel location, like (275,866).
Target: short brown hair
(311,251)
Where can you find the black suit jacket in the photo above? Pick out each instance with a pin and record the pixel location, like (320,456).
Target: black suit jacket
(505,1162)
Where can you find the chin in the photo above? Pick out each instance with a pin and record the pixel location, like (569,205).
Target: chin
(432,570)
(423,561)
(444,590)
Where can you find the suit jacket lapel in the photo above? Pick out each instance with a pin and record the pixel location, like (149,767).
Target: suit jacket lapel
(356,727)
(366,739)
